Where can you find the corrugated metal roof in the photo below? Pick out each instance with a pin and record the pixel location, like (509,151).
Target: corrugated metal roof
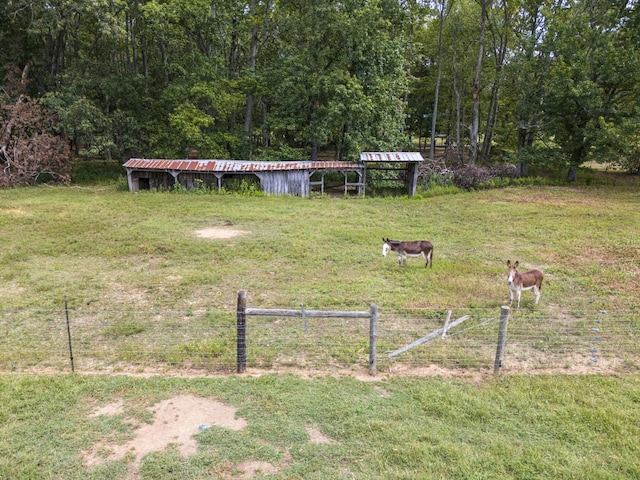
(234,165)
(391,157)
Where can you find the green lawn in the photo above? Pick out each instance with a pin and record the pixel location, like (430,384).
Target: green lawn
(542,427)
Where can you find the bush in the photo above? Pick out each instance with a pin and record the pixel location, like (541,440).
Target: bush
(470,177)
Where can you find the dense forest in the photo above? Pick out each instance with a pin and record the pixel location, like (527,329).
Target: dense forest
(529,82)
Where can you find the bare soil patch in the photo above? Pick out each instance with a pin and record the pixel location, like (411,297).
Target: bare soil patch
(316,436)
(175,421)
(219,233)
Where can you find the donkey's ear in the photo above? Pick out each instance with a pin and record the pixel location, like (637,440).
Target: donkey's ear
(508,263)
(516,264)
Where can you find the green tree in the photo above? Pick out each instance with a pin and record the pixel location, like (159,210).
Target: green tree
(337,76)
(592,83)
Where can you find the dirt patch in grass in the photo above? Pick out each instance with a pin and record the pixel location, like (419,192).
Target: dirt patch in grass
(175,421)
(219,233)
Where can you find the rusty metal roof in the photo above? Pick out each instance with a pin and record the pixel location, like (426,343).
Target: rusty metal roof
(231,166)
(391,157)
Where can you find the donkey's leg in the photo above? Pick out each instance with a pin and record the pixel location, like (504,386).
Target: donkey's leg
(536,292)
(518,292)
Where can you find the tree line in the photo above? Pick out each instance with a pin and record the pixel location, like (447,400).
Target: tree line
(530,82)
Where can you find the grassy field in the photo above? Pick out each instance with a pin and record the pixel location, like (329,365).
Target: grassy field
(542,427)
(134,269)
(112,249)
(141,282)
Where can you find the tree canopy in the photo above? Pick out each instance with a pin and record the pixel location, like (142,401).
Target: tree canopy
(525,81)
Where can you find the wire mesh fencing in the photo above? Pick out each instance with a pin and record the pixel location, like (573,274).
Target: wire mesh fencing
(206,341)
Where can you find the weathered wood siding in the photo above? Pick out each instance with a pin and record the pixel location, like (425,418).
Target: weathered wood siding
(295,182)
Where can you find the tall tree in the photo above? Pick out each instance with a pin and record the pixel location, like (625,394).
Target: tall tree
(500,32)
(475,121)
(593,75)
(442,8)
(526,74)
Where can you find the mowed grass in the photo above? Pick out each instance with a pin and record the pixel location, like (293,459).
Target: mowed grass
(112,249)
(542,427)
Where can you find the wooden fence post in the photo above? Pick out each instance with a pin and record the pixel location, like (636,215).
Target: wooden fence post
(241,316)
(373,339)
(502,337)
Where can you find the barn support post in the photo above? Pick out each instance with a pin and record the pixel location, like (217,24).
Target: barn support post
(174,174)
(373,340)
(502,337)
(241,317)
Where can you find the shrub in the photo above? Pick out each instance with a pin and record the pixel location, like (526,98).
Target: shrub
(470,177)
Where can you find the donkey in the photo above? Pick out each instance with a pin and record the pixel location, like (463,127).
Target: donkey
(523,281)
(409,249)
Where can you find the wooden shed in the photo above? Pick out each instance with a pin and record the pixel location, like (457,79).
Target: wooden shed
(405,163)
(276,178)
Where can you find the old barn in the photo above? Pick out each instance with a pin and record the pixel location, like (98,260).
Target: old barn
(275,178)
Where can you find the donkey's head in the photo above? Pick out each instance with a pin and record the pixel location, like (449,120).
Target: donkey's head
(386,246)
(513,271)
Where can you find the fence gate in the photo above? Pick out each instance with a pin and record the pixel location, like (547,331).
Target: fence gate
(242,312)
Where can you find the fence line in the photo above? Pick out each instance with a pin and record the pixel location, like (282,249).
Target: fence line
(243,311)
(175,340)
(441,331)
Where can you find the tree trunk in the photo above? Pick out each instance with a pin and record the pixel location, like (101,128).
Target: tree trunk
(248,111)
(475,124)
(434,119)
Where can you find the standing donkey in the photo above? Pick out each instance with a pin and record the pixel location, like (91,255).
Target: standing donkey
(523,281)
(416,248)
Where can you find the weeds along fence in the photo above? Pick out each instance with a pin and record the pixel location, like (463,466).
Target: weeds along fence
(89,340)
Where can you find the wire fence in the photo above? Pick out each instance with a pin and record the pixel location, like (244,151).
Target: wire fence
(205,341)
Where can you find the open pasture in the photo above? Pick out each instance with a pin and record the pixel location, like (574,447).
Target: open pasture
(151,279)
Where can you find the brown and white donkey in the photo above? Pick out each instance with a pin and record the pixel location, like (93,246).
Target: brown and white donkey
(416,248)
(523,281)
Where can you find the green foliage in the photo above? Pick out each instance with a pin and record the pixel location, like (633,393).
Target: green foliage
(288,80)
(587,82)
(240,186)
(92,172)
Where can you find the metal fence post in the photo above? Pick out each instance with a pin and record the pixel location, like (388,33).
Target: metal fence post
(502,337)
(241,316)
(373,339)
(66,312)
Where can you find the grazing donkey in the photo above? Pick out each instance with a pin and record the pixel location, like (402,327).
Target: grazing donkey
(409,249)
(523,281)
